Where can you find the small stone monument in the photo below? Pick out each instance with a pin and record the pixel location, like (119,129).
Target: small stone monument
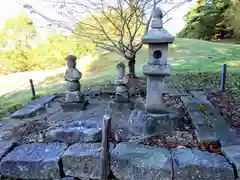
(122,91)
(157,67)
(74,97)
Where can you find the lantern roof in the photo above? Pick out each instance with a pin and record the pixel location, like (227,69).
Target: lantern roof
(157,34)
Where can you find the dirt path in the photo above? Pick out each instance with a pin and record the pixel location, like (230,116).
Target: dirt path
(20,80)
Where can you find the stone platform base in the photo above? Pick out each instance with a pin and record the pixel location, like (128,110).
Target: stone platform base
(72,107)
(142,123)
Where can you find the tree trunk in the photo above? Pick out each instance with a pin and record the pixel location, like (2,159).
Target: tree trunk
(131,66)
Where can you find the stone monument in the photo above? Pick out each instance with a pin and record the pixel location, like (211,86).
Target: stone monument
(157,67)
(74,97)
(155,118)
(122,91)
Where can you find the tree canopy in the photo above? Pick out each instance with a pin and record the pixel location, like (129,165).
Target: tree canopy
(213,19)
(21,51)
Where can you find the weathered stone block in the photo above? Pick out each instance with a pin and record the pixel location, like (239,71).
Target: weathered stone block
(74,96)
(137,121)
(4,147)
(232,153)
(198,119)
(75,134)
(33,161)
(154,98)
(73,86)
(134,161)
(141,123)
(157,123)
(31,108)
(71,106)
(156,69)
(83,160)
(193,164)
(206,134)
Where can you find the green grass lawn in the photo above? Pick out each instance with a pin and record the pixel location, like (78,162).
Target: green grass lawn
(195,63)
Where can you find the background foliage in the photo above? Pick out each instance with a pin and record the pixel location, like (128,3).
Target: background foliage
(21,47)
(213,19)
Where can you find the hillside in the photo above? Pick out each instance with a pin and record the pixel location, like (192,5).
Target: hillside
(194,63)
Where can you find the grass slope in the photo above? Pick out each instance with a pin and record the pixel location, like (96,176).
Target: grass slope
(195,63)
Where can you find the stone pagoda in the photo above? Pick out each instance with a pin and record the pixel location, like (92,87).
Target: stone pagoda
(75,99)
(122,91)
(157,67)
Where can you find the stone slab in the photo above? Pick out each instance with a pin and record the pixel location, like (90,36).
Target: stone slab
(135,161)
(83,160)
(193,164)
(190,103)
(119,106)
(137,122)
(157,123)
(31,108)
(225,135)
(232,153)
(206,134)
(230,138)
(73,135)
(72,107)
(141,123)
(33,161)
(109,91)
(5,146)
(200,95)
(198,119)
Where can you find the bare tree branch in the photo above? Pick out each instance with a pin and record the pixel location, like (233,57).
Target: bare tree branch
(114,26)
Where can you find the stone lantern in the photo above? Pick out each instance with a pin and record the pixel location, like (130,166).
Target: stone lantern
(157,67)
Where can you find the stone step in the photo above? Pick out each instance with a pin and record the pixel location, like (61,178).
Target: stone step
(34,106)
(33,161)
(193,164)
(134,161)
